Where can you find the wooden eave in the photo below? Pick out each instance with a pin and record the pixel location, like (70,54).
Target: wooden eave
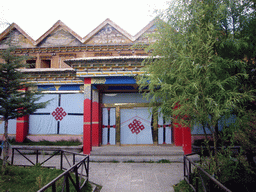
(88,61)
(47,75)
(66,49)
(107,66)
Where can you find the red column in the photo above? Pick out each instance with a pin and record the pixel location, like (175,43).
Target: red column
(187,147)
(95,118)
(182,135)
(21,128)
(177,129)
(87,132)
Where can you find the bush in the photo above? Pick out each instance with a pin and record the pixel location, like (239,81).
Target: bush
(49,143)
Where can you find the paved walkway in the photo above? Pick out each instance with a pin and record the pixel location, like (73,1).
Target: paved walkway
(136,177)
(127,177)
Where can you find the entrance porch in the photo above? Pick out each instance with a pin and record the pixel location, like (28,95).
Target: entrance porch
(115,113)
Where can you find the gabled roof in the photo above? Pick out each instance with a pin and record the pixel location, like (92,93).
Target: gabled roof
(58,24)
(15,26)
(102,25)
(122,36)
(144,30)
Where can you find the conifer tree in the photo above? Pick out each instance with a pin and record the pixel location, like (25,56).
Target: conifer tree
(18,97)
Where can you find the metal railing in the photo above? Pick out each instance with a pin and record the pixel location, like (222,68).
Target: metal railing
(195,176)
(77,182)
(79,170)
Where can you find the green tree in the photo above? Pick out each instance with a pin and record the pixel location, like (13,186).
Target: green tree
(17,96)
(246,135)
(187,71)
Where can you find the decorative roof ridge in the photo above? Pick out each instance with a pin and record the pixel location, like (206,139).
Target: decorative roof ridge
(15,26)
(103,24)
(59,23)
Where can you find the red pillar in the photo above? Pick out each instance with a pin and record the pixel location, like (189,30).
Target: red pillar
(22,125)
(21,128)
(182,135)
(87,132)
(95,118)
(177,129)
(187,147)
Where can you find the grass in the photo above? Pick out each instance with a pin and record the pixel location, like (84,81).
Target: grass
(182,186)
(47,143)
(150,161)
(163,161)
(31,179)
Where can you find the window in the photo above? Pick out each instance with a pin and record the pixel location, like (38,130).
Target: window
(45,63)
(31,64)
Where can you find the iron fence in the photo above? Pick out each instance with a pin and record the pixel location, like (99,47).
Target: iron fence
(79,170)
(77,182)
(199,179)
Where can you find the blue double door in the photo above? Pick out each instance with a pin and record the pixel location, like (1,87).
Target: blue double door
(135,127)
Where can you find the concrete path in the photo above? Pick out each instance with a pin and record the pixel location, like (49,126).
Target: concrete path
(123,177)
(136,177)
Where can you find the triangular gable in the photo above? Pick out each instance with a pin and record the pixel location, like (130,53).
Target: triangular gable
(59,35)
(15,36)
(108,33)
(143,35)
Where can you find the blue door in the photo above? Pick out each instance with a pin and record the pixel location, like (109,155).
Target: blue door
(135,126)
(108,126)
(164,130)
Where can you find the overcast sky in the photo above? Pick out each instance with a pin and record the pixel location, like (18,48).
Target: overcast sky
(35,17)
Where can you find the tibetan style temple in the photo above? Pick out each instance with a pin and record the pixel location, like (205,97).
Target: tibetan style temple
(90,82)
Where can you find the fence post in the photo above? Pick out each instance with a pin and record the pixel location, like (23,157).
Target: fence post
(67,182)
(54,187)
(87,168)
(36,156)
(197,181)
(12,155)
(77,178)
(184,162)
(189,170)
(61,160)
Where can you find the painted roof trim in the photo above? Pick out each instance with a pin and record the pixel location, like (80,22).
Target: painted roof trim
(47,70)
(15,26)
(108,58)
(59,23)
(103,24)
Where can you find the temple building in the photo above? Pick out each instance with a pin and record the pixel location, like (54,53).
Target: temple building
(92,88)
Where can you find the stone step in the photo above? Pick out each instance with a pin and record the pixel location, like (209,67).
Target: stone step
(140,153)
(135,158)
(136,153)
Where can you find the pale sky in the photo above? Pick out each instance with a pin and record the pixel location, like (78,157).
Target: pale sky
(35,17)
